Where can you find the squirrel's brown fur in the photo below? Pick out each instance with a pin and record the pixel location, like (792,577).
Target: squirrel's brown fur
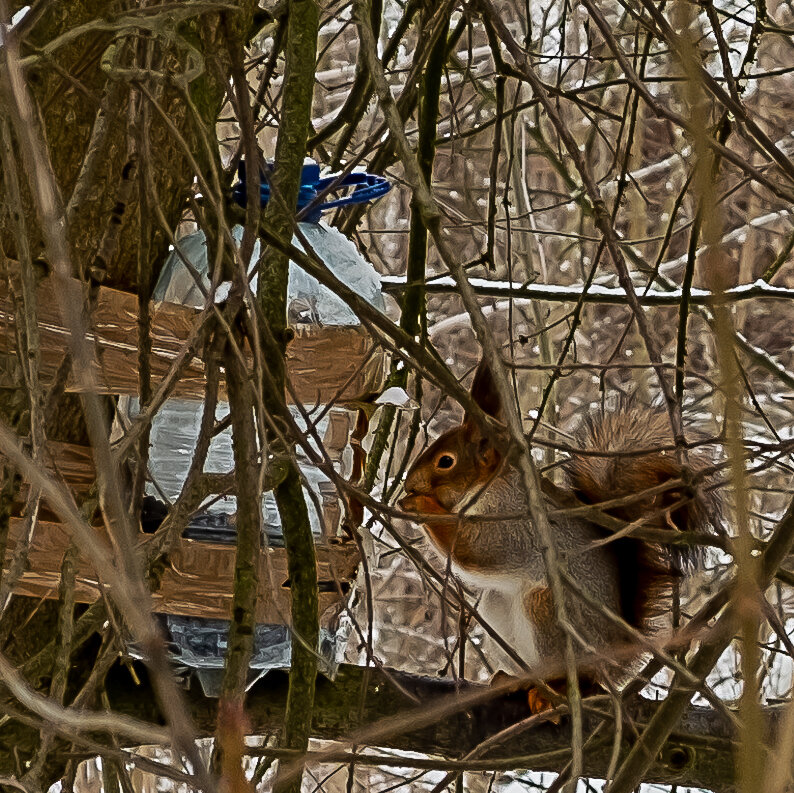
(625,452)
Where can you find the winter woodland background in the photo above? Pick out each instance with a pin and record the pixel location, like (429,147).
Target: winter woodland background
(683,118)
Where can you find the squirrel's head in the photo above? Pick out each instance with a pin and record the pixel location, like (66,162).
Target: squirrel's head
(460,462)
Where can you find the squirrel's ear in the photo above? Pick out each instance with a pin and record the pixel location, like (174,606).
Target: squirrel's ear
(484,393)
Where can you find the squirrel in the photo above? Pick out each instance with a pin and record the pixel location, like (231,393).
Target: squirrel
(620,454)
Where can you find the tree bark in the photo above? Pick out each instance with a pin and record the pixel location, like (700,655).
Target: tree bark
(698,754)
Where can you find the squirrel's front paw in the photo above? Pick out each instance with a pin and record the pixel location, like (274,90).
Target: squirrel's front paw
(538,698)
(539,702)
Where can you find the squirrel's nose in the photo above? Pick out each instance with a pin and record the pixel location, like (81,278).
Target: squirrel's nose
(405,502)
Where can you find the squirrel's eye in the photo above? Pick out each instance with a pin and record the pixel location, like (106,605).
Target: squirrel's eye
(445,461)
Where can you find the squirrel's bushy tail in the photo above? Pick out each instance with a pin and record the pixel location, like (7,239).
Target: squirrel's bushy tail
(624,454)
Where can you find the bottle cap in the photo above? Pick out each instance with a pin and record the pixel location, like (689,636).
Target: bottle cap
(314,191)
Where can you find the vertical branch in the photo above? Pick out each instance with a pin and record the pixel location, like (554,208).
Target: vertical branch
(300,54)
(61,667)
(412,316)
(493,171)
(749,760)
(245,450)
(144,280)
(249,533)
(29,355)
(684,307)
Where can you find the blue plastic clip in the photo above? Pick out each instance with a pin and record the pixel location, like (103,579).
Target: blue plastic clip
(366,187)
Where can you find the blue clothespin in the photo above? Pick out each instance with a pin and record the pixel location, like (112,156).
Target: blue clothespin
(366,187)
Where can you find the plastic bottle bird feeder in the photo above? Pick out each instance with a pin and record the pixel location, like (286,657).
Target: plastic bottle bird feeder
(330,358)
(313,310)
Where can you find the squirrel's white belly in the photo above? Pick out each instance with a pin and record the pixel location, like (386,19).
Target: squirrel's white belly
(502,607)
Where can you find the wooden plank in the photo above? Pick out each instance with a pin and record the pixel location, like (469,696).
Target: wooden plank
(320,360)
(197,582)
